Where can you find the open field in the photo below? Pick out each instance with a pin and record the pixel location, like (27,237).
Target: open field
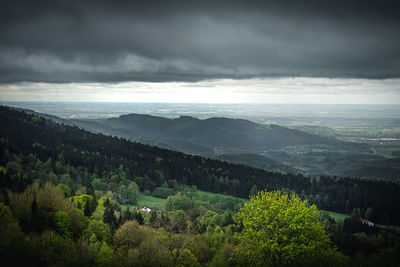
(388,151)
(338,217)
(150,201)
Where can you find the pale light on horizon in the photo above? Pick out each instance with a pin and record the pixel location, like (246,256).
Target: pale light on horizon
(267,90)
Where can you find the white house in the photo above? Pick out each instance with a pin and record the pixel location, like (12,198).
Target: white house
(369,223)
(145,208)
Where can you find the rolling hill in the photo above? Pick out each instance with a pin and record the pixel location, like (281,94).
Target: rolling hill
(222,135)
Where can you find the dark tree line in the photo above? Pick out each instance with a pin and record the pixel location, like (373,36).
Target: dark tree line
(25,134)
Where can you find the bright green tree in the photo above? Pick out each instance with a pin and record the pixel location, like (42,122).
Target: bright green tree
(85,202)
(282,230)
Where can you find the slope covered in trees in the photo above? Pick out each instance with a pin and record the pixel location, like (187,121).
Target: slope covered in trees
(150,167)
(223,133)
(306,149)
(70,198)
(257,161)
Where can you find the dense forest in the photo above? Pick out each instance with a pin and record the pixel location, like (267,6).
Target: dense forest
(101,154)
(68,198)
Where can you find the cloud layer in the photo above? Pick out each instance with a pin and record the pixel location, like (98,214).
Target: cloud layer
(114,41)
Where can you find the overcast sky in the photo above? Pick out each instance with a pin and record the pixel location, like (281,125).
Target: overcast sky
(201,51)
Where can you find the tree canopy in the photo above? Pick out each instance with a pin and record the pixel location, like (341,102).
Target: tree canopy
(279,230)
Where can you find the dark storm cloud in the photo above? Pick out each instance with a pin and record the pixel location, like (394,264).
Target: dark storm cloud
(111,41)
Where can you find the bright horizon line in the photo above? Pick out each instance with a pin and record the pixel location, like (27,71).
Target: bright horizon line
(205,103)
(227,91)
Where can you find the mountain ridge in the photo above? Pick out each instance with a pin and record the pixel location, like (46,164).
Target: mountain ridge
(223,133)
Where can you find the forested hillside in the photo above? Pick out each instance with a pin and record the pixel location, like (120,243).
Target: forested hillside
(73,198)
(224,133)
(150,166)
(305,149)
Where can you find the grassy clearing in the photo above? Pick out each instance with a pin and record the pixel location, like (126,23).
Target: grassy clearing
(151,201)
(154,202)
(338,217)
(159,203)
